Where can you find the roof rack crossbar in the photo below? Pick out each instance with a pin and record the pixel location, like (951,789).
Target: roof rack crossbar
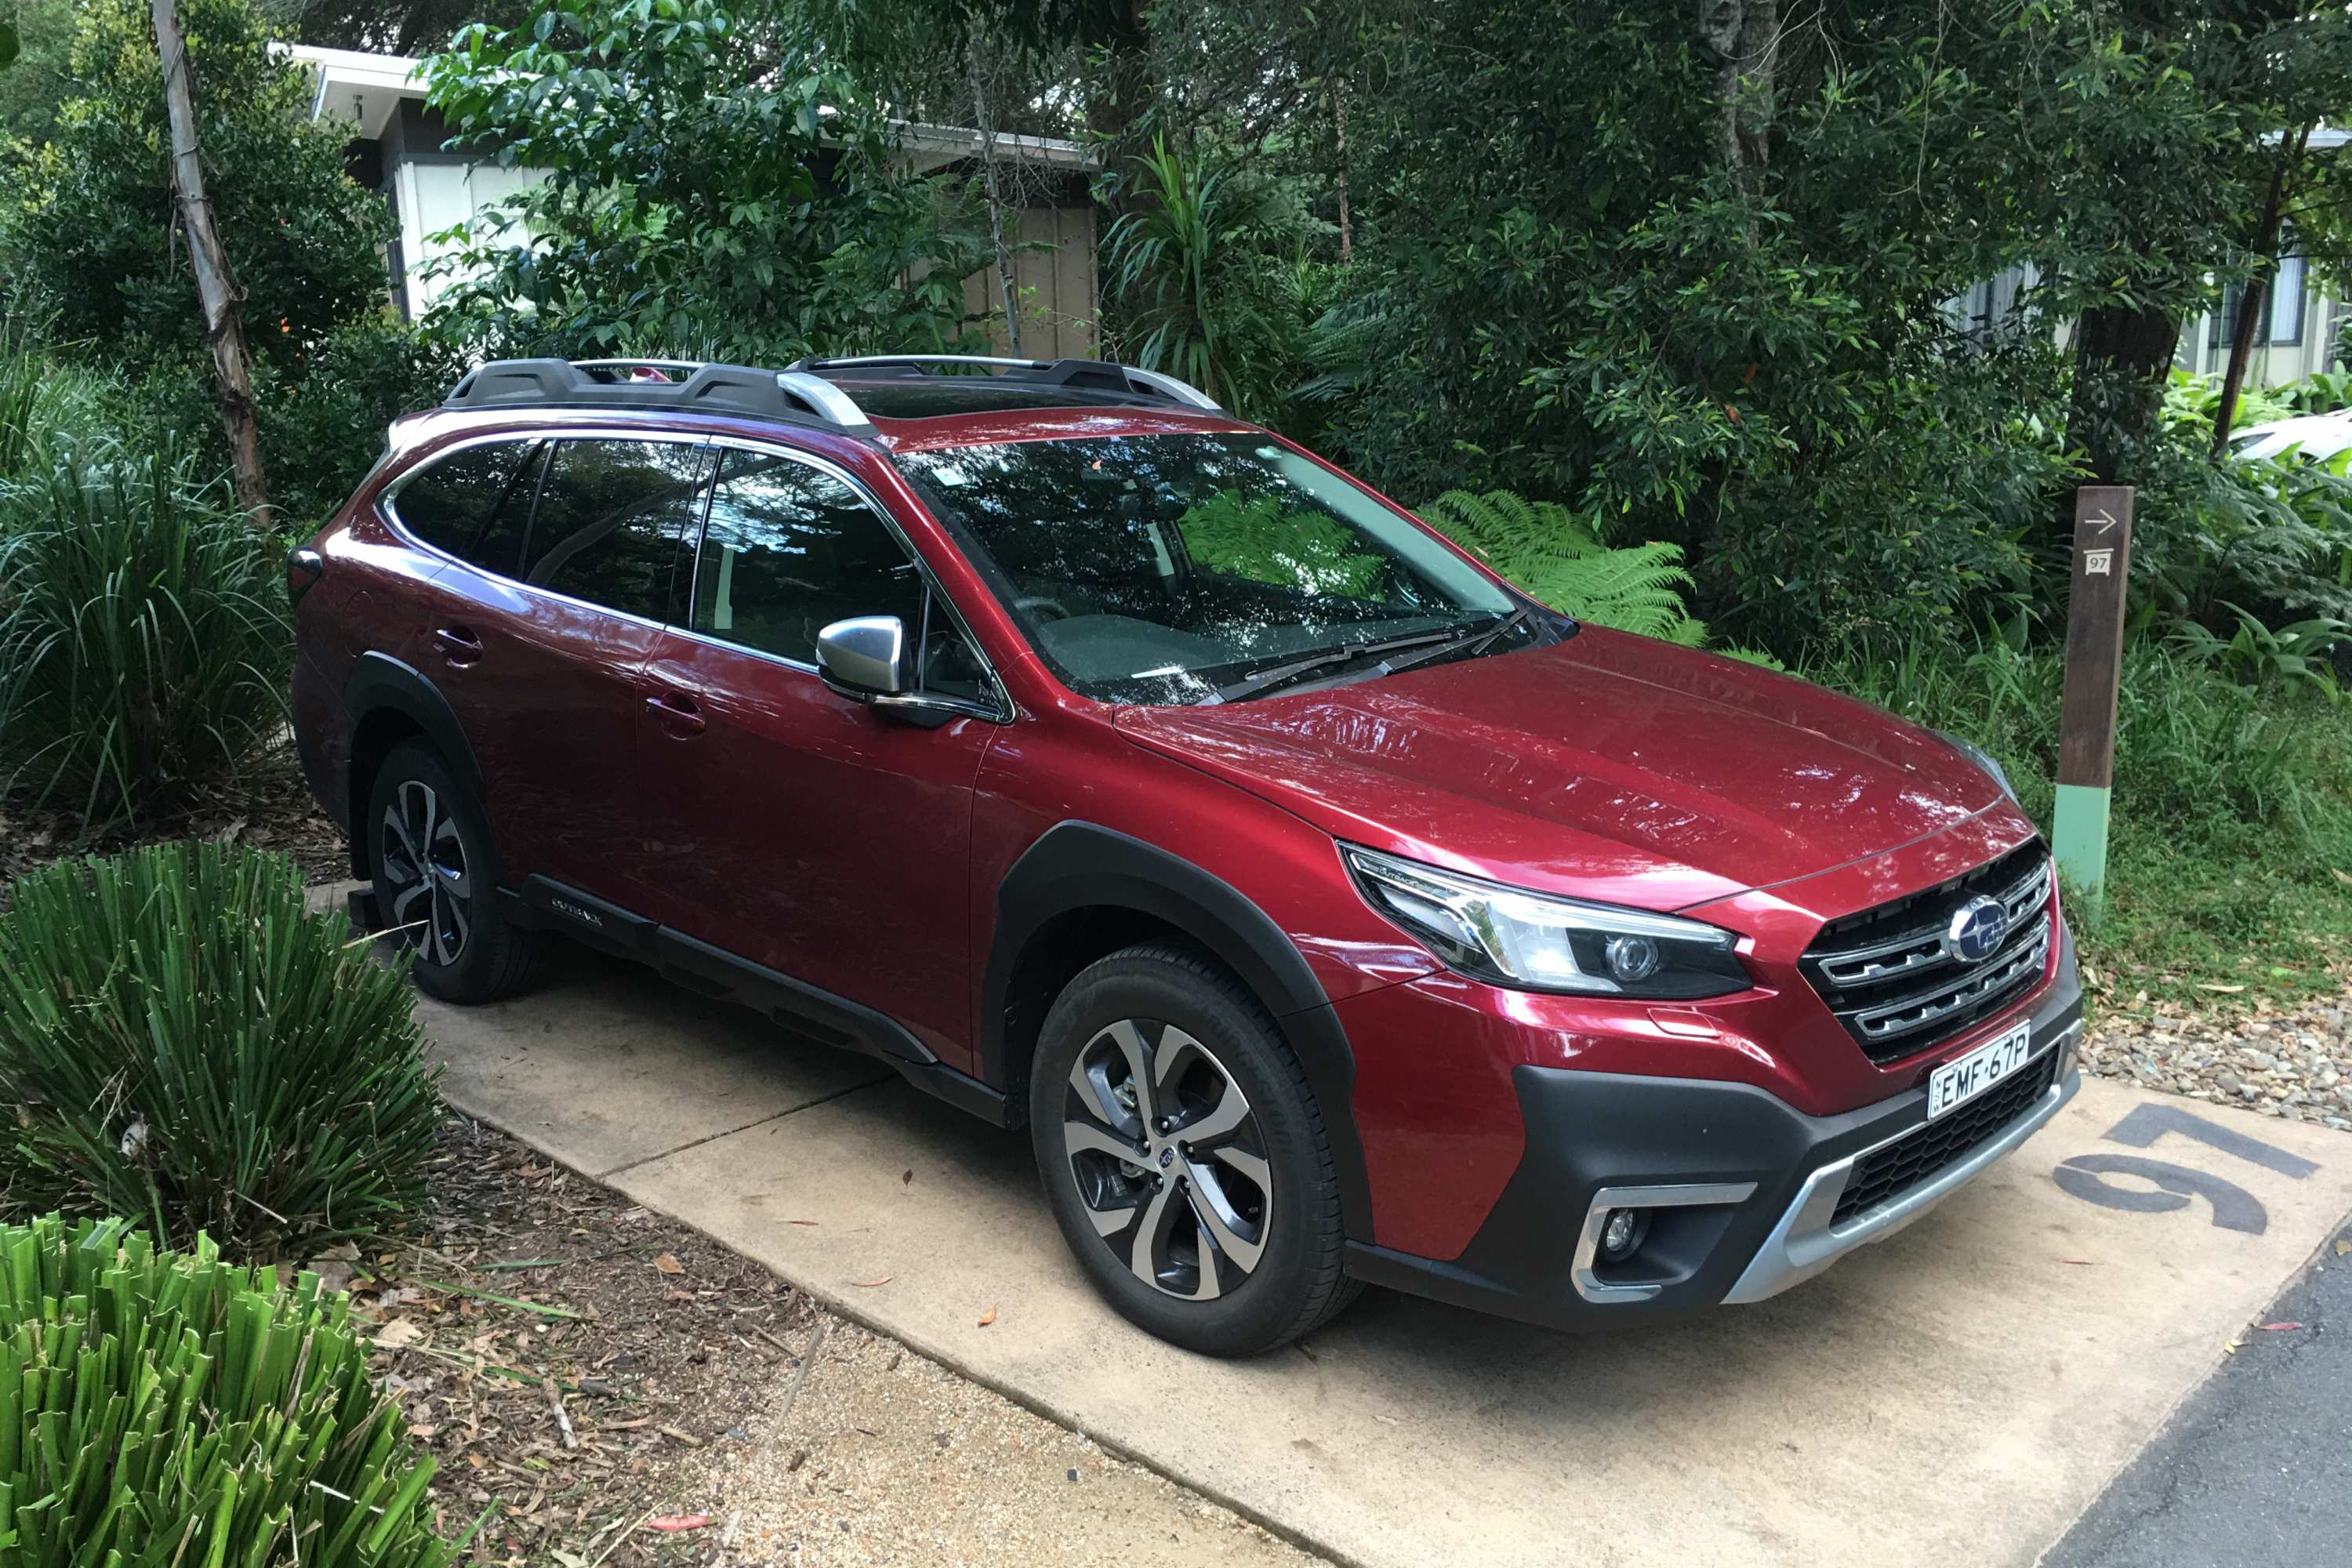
(737,389)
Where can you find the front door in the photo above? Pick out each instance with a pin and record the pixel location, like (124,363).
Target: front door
(784,823)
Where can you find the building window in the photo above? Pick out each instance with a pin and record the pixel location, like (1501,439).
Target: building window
(2284,307)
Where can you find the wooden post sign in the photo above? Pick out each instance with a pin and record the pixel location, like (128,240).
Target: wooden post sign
(2086,714)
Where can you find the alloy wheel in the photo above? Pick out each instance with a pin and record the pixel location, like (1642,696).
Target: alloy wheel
(423,864)
(1169,1160)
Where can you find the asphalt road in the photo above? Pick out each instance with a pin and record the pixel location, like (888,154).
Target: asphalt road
(2256,1465)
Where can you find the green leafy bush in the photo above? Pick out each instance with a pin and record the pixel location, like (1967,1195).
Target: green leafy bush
(144,638)
(1553,555)
(182,1042)
(158,1409)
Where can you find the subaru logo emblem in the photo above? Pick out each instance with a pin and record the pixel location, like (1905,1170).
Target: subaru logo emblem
(1167,1158)
(1976,930)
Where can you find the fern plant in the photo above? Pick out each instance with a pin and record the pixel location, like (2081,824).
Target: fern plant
(1552,553)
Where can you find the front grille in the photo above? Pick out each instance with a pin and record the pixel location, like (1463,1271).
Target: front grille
(1889,974)
(1893,1170)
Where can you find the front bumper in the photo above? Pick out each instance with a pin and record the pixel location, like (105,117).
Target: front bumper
(1744,1191)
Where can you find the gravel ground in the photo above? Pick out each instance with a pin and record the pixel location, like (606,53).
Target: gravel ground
(2293,1064)
(882,1456)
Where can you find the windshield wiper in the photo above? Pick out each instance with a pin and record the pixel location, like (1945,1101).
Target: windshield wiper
(1264,680)
(1471,641)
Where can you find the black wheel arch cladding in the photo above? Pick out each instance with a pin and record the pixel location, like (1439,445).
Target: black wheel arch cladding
(381,686)
(1077,866)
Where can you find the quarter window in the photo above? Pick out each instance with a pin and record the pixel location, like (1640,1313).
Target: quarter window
(788,551)
(615,520)
(473,504)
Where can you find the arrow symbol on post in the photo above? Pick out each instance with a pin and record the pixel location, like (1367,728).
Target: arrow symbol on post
(2100,520)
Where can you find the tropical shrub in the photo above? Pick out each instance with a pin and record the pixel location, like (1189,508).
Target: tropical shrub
(1552,553)
(143,633)
(160,1409)
(182,1044)
(711,189)
(1210,272)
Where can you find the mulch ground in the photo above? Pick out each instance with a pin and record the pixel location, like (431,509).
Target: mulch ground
(268,806)
(561,1351)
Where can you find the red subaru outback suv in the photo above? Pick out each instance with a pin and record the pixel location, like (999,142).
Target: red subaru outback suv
(1328,910)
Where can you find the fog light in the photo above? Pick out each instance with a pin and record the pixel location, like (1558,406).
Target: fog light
(1630,958)
(1621,1232)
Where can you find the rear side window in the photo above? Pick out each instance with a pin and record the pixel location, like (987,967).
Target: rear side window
(614,520)
(473,504)
(788,551)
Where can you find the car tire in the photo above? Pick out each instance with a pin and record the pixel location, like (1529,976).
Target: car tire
(434,891)
(1228,1243)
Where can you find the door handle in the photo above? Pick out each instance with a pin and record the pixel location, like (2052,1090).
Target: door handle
(457,645)
(678,712)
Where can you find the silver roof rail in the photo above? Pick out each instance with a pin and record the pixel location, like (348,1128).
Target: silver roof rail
(829,401)
(1058,371)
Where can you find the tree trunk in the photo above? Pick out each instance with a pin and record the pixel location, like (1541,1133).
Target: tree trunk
(1744,35)
(2121,358)
(216,286)
(986,125)
(1339,135)
(2251,311)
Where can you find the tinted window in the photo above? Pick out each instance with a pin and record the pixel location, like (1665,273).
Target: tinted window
(614,518)
(473,504)
(789,550)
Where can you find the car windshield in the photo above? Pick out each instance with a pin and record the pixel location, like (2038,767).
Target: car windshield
(1180,569)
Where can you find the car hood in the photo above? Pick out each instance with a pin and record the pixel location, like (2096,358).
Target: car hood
(1609,766)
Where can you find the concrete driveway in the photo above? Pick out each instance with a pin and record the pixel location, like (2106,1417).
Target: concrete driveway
(1958,1394)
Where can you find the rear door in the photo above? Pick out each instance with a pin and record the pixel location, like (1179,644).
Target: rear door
(539,633)
(797,828)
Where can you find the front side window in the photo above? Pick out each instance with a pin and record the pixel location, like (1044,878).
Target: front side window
(788,551)
(473,504)
(1179,569)
(615,521)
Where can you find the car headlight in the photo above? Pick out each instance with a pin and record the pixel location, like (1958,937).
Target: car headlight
(1535,942)
(1982,759)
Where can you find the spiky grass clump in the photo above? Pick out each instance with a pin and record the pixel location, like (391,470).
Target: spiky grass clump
(163,1409)
(181,1043)
(144,636)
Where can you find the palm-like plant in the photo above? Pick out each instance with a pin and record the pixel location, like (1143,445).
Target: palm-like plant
(1185,261)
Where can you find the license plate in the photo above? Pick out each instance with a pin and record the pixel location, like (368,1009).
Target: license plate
(1954,1084)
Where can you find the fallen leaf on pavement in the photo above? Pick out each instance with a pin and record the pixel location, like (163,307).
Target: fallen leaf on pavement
(907,1180)
(800,1222)
(869,1284)
(670,1265)
(988,1317)
(2344,1248)
(675,1521)
(2279,1327)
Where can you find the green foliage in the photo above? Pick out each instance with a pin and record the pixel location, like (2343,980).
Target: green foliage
(158,1409)
(181,1042)
(144,637)
(707,188)
(94,233)
(1262,540)
(2291,656)
(1552,553)
(1210,267)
